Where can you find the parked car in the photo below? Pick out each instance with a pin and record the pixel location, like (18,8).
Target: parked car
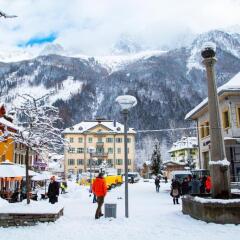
(180,175)
(134,175)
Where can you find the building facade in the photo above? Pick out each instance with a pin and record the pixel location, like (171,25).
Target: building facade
(106,137)
(229,104)
(185,150)
(9,149)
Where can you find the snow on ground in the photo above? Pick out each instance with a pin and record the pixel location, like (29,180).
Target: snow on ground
(152,216)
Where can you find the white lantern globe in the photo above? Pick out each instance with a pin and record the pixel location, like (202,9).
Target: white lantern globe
(126,101)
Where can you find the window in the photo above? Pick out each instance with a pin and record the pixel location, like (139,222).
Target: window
(109,161)
(204,129)
(119,171)
(118,140)
(80,150)
(119,161)
(129,161)
(71,140)
(225,118)
(110,150)
(100,140)
(128,150)
(71,150)
(207,129)
(80,140)
(128,140)
(119,150)
(238,116)
(109,140)
(90,140)
(71,162)
(79,161)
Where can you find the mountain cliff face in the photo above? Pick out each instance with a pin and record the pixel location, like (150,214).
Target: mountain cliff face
(166,85)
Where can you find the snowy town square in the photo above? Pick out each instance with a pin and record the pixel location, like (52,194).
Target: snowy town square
(119,119)
(152,215)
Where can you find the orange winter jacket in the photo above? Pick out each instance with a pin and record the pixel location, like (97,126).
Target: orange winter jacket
(99,187)
(208,183)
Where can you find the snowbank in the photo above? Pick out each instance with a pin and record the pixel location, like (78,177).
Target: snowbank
(37,207)
(211,200)
(3,203)
(224,162)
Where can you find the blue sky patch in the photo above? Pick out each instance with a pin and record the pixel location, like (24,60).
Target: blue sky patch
(38,40)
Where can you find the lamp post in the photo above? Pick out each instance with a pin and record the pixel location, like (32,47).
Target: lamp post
(91,150)
(126,102)
(219,166)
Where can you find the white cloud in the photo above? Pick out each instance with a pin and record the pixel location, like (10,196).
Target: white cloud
(92,26)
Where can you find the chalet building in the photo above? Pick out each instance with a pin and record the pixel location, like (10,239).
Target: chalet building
(106,137)
(229,104)
(185,150)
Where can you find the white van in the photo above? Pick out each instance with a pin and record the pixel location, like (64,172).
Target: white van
(180,175)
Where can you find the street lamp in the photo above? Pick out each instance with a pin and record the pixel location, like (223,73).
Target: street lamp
(91,150)
(126,102)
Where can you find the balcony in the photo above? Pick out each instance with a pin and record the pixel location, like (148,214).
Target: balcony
(100,144)
(100,154)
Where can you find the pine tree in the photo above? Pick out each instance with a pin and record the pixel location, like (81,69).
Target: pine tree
(156,161)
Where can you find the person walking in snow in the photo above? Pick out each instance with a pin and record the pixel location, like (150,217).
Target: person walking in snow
(175,191)
(157,184)
(99,188)
(53,190)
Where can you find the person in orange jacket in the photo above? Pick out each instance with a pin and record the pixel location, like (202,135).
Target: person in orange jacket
(99,188)
(208,184)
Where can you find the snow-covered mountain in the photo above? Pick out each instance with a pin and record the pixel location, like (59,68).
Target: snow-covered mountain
(166,84)
(53,48)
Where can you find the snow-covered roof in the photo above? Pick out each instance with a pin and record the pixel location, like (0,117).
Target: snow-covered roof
(231,86)
(113,126)
(4,122)
(184,143)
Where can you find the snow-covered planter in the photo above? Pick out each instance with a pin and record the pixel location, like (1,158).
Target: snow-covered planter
(223,211)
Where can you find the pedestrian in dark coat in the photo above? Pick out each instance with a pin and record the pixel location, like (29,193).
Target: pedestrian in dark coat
(185,186)
(53,190)
(157,184)
(195,185)
(175,191)
(203,182)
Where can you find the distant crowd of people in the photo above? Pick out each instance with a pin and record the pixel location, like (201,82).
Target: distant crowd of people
(190,185)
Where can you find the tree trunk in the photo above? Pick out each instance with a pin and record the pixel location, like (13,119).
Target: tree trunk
(27,175)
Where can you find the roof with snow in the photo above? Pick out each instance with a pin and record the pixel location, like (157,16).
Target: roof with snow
(231,86)
(111,126)
(4,122)
(184,143)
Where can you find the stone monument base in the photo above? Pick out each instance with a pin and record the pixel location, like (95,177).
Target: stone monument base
(223,211)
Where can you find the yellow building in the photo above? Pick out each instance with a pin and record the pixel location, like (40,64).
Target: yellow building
(106,137)
(6,142)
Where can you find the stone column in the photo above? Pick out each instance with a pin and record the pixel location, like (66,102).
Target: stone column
(220,173)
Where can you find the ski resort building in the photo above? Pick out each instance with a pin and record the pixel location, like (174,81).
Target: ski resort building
(106,137)
(229,103)
(185,150)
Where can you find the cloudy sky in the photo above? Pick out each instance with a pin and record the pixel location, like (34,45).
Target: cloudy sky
(93,26)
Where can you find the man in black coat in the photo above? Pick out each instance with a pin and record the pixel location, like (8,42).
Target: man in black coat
(53,190)
(157,184)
